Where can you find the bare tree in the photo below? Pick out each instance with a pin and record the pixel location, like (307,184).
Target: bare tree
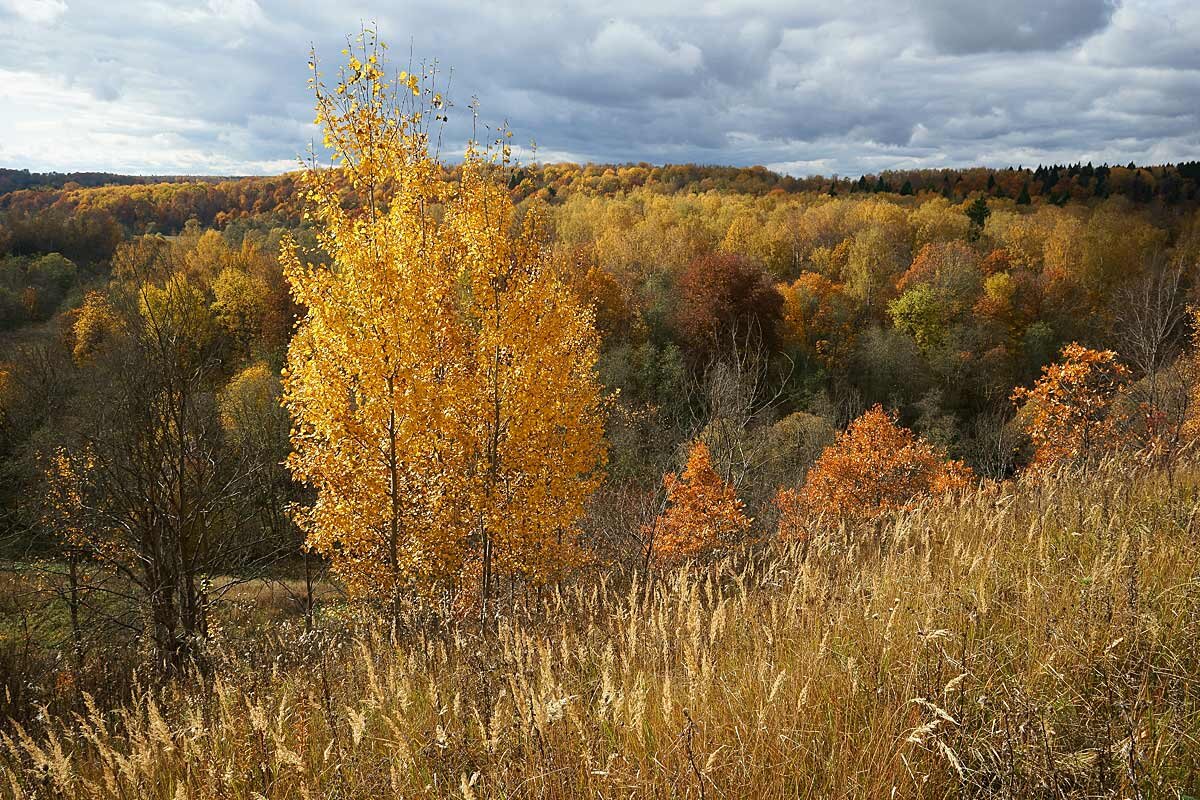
(1152,333)
(740,390)
(1150,321)
(153,497)
(992,444)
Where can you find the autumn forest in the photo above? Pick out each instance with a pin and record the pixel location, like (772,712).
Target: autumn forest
(431,469)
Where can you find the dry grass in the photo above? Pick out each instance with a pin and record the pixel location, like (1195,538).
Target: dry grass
(1039,640)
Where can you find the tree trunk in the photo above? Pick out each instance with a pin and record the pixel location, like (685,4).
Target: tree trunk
(308,593)
(76,633)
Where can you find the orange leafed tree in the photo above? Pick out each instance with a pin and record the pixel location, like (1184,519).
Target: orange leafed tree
(1069,411)
(874,467)
(818,319)
(703,512)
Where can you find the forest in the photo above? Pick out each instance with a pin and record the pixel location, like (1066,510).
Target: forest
(407,477)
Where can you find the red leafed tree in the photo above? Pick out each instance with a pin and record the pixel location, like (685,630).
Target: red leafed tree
(703,513)
(874,467)
(1069,411)
(722,295)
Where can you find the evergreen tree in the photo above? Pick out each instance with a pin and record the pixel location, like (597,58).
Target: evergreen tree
(978,212)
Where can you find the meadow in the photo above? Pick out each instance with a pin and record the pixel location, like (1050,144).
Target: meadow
(1038,638)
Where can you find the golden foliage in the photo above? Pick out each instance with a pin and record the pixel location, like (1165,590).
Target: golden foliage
(240,303)
(818,318)
(66,510)
(94,325)
(1189,369)
(937,220)
(178,315)
(64,502)
(247,396)
(600,290)
(371,379)
(442,381)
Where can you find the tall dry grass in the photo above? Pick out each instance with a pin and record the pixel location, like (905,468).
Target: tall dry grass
(1037,640)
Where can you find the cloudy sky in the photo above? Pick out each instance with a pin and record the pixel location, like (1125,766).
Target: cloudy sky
(806,86)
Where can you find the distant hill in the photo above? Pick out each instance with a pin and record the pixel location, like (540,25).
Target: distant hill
(142,203)
(13,179)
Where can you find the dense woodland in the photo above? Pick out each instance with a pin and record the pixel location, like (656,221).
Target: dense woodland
(483,410)
(936,308)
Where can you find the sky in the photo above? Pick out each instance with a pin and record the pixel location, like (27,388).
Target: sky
(804,87)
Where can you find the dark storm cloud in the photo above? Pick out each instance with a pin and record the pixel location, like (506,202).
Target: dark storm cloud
(955,26)
(167,86)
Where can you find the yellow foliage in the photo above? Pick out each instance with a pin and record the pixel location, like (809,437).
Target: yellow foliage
(249,395)
(744,237)
(240,302)
(205,256)
(177,312)
(442,381)
(94,325)
(818,318)
(537,427)
(875,258)
(938,220)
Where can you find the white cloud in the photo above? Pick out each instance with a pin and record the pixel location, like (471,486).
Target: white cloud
(625,46)
(39,12)
(246,13)
(104,135)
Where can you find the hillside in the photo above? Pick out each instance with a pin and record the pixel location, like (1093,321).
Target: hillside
(165,203)
(1038,639)
(400,477)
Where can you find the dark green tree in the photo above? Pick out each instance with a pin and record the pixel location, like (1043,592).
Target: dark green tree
(978,212)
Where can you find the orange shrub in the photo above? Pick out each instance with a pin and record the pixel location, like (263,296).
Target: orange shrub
(703,513)
(873,468)
(1069,410)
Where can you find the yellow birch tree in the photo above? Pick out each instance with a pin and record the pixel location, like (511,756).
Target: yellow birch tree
(537,441)
(443,381)
(373,377)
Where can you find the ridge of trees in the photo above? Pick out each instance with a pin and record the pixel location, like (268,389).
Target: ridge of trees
(147,204)
(13,179)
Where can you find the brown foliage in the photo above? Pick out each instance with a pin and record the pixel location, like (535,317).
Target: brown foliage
(722,295)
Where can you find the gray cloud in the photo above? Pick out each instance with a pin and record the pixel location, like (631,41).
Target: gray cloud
(823,86)
(1016,25)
